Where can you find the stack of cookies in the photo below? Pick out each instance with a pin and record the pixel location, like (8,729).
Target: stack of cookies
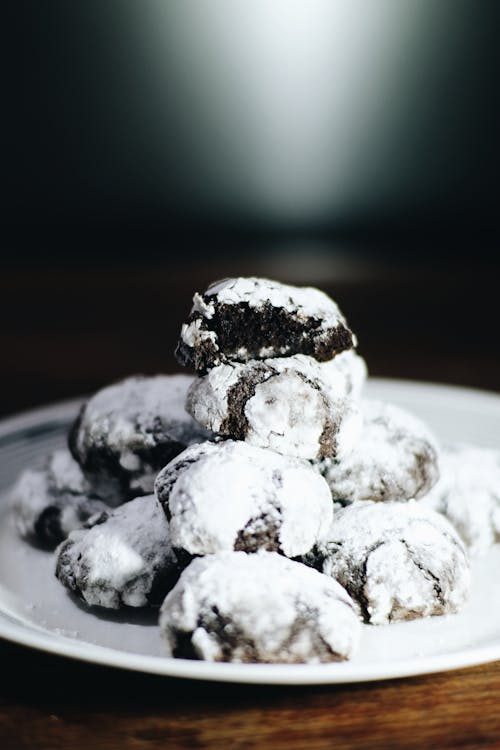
(276,367)
(264,503)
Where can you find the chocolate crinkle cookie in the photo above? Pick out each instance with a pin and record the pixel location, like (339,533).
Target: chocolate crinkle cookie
(124,559)
(53,499)
(399,561)
(395,458)
(128,431)
(468,494)
(295,405)
(251,318)
(233,496)
(236,607)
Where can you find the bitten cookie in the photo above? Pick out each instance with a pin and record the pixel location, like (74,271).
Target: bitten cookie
(399,561)
(395,458)
(468,494)
(240,319)
(50,501)
(258,608)
(128,431)
(296,405)
(124,559)
(233,496)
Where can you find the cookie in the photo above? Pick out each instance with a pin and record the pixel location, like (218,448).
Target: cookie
(232,496)
(235,607)
(468,494)
(128,431)
(295,405)
(240,319)
(395,458)
(124,559)
(53,499)
(399,561)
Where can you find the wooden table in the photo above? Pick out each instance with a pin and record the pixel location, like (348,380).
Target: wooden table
(67,330)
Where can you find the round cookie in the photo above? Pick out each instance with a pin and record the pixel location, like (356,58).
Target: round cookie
(468,494)
(235,607)
(395,458)
(295,405)
(50,501)
(128,431)
(124,559)
(232,496)
(399,561)
(236,320)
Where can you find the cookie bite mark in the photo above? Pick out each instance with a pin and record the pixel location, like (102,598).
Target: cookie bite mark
(235,423)
(249,318)
(293,405)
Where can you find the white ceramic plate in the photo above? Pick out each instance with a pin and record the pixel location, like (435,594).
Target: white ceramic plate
(35,609)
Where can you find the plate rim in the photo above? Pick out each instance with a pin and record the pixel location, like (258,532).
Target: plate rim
(33,636)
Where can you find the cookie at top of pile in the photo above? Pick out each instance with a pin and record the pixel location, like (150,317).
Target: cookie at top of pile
(124,559)
(468,494)
(129,430)
(395,458)
(399,561)
(258,608)
(240,319)
(52,499)
(293,405)
(234,496)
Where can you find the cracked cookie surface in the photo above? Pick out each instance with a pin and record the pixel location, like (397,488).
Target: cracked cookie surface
(293,405)
(240,319)
(124,559)
(258,608)
(395,458)
(399,561)
(53,499)
(128,431)
(468,494)
(233,496)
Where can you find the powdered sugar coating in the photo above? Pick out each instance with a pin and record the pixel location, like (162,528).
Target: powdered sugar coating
(231,495)
(399,561)
(257,291)
(258,608)
(468,494)
(129,430)
(124,559)
(53,499)
(240,319)
(395,458)
(293,405)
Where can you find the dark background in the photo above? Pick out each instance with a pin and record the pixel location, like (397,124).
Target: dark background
(151,147)
(138,127)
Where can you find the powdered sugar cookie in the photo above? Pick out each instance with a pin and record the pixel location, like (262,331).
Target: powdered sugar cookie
(295,405)
(251,318)
(53,499)
(395,458)
(468,494)
(128,431)
(399,561)
(258,608)
(124,559)
(233,496)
